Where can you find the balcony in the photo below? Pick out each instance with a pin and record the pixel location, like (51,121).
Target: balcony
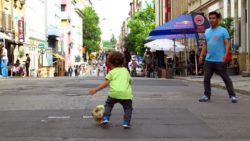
(54,31)
(6,22)
(64,15)
(63,1)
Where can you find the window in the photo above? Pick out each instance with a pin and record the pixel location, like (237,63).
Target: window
(63,7)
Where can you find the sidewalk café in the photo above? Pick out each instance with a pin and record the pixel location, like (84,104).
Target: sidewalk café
(185,27)
(182,27)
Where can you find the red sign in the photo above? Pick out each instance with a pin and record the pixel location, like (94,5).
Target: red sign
(167,10)
(21,30)
(200,24)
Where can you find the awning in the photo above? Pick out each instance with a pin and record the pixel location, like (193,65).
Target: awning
(175,36)
(165,45)
(182,24)
(56,55)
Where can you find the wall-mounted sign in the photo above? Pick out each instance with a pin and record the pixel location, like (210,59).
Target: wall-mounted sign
(21,30)
(41,46)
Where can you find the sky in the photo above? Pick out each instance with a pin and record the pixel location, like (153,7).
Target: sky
(112,13)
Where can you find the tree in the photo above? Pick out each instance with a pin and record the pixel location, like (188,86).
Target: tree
(228,24)
(140,26)
(107,44)
(113,41)
(110,43)
(78,58)
(91,30)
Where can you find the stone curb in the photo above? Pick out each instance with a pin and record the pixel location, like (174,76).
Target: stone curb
(216,85)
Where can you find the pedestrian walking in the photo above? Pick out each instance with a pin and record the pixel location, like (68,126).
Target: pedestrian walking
(76,71)
(148,59)
(27,65)
(104,69)
(127,58)
(108,68)
(4,62)
(120,88)
(70,71)
(133,66)
(1,51)
(217,47)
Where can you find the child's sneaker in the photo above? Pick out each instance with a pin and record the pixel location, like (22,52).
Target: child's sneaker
(234,99)
(204,99)
(105,120)
(126,125)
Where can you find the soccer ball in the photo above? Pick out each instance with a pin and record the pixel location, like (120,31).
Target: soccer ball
(97,113)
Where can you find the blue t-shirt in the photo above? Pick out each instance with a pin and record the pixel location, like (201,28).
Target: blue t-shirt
(215,43)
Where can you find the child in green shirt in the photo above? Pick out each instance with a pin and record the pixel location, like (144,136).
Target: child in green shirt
(120,90)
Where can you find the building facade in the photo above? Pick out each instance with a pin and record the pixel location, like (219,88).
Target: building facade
(178,8)
(53,34)
(245,35)
(7,31)
(35,43)
(122,36)
(136,5)
(53,31)
(206,6)
(47,30)
(77,39)
(238,10)
(166,10)
(71,35)
(162,11)
(6,17)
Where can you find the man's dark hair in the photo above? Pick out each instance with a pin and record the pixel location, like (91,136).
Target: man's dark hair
(116,58)
(218,15)
(27,54)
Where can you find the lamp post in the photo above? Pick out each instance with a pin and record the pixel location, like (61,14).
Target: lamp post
(41,52)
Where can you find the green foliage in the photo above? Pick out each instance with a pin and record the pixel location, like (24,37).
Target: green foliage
(107,44)
(78,58)
(21,53)
(91,30)
(113,41)
(228,24)
(140,26)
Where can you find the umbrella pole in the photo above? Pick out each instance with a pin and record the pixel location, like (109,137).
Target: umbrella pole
(174,66)
(196,65)
(185,55)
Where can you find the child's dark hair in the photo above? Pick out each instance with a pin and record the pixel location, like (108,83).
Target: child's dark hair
(218,15)
(116,58)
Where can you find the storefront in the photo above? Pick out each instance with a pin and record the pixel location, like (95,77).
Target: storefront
(41,59)
(46,68)
(59,63)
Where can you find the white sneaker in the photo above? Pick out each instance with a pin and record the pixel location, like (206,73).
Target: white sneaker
(234,99)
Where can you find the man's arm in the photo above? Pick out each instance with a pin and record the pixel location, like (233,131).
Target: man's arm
(203,51)
(227,45)
(103,85)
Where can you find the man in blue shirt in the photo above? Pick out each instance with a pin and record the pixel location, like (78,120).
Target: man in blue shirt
(216,49)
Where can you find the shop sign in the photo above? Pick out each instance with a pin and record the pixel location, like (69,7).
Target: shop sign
(21,30)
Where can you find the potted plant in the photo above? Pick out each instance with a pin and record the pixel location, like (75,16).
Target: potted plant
(227,23)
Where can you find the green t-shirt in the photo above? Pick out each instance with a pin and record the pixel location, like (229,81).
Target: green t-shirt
(120,83)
